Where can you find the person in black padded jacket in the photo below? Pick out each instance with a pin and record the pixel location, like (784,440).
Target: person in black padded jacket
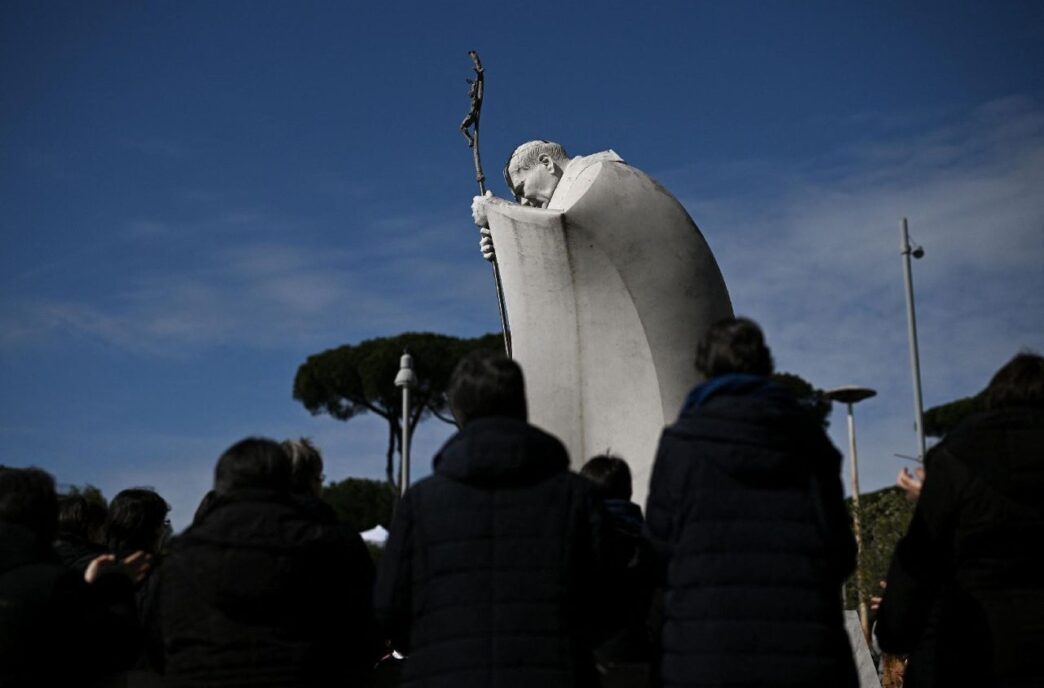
(495,567)
(264,589)
(746,510)
(965,595)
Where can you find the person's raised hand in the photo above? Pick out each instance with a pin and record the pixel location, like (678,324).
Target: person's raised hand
(875,601)
(100,563)
(136,566)
(911,483)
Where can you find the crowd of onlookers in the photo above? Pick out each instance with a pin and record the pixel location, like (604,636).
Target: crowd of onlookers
(504,568)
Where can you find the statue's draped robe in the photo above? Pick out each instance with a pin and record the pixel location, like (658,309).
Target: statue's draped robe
(607,292)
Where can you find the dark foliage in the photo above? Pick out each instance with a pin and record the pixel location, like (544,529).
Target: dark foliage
(809,397)
(360,503)
(88,492)
(885,515)
(940,419)
(358,378)
(376,552)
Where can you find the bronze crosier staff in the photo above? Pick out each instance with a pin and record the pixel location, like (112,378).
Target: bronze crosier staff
(471,122)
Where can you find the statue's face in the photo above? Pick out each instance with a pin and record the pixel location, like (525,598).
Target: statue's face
(536,185)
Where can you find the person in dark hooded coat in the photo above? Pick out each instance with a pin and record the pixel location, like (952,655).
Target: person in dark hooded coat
(263,590)
(965,595)
(746,509)
(58,626)
(494,570)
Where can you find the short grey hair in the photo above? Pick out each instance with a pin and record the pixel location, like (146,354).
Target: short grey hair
(527,155)
(306,464)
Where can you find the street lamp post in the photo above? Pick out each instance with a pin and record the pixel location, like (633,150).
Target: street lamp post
(406,379)
(851,395)
(911,322)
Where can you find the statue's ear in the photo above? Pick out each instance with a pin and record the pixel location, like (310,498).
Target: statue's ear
(547,162)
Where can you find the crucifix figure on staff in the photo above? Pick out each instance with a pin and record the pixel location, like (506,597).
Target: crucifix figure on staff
(470,129)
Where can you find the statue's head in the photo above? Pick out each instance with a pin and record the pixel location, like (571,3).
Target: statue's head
(533,171)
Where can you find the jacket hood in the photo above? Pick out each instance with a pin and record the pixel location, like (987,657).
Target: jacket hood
(736,384)
(500,452)
(258,518)
(760,431)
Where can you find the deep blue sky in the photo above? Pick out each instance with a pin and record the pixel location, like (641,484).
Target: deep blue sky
(195,196)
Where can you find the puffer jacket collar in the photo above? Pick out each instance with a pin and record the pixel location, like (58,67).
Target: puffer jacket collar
(767,430)
(257,518)
(734,385)
(500,452)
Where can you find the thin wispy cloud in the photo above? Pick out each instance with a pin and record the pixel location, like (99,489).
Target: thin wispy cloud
(817,262)
(263,293)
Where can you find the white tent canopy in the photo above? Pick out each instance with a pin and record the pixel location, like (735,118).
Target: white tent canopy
(376,535)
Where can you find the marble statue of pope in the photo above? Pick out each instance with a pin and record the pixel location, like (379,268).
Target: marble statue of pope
(608,286)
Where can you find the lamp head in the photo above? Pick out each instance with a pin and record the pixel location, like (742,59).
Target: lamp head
(406,376)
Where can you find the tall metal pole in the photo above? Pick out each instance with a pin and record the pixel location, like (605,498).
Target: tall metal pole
(850,395)
(405,379)
(864,612)
(911,321)
(405,480)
